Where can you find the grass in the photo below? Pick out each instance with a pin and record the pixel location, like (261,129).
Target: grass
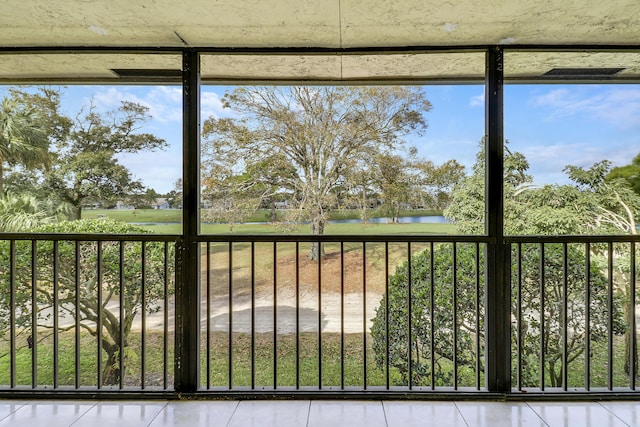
(135,215)
(216,374)
(363,229)
(261,215)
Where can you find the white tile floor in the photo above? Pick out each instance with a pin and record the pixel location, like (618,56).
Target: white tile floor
(316,413)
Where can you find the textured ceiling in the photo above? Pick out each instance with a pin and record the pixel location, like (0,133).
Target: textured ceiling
(313,24)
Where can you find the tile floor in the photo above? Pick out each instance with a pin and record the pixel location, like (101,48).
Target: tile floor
(316,413)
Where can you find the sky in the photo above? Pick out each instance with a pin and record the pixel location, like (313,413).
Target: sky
(552,125)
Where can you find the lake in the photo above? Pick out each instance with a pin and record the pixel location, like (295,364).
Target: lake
(431,219)
(426,219)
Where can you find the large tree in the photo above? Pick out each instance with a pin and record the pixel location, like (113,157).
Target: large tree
(22,138)
(321,133)
(86,168)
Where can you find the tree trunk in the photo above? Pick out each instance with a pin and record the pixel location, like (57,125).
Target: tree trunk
(630,350)
(317,229)
(76,211)
(111,372)
(274,216)
(364,206)
(1,177)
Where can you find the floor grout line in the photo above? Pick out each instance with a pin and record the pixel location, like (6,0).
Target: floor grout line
(308,414)
(384,412)
(612,413)
(537,414)
(461,414)
(166,405)
(233,413)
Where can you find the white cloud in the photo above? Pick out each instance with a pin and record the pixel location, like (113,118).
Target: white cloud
(211,105)
(477,101)
(616,106)
(547,161)
(164,103)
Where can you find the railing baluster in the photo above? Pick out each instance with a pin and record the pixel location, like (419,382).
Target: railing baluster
(409,313)
(122,315)
(477,307)
(253,315)
(587,318)
(56,320)
(565,317)
(610,317)
(99,311)
(542,318)
(297,263)
(632,321)
(275,315)
(77,314)
(342,315)
(386,313)
(519,314)
(143,289)
(208,312)
(454,303)
(364,314)
(34,314)
(320,247)
(432,329)
(165,341)
(12,311)
(230,361)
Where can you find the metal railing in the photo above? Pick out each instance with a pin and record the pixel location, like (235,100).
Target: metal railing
(86,312)
(366,316)
(375,315)
(574,303)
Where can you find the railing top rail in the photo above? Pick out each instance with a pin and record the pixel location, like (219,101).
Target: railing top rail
(593,238)
(91,237)
(344,238)
(444,238)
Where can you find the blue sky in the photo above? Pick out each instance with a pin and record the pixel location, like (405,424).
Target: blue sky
(553,125)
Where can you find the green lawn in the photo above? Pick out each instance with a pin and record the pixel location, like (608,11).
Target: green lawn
(216,373)
(262,215)
(169,221)
(365,229)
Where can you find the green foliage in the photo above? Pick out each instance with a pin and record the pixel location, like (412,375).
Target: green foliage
(304,141)
(80,289)
(630,173)
(549,316)
(22,139)
(25,212)
(84,166)
(432,312)
(589,205)
(432,293)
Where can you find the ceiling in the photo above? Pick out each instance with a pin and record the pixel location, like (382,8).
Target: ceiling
(316,40)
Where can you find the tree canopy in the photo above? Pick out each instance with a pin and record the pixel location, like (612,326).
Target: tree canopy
(305,141)
(84,164)
(23,140)
(589,204)
(630,173)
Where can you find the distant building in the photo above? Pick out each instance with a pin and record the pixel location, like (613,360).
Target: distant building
(124,205)
(161,203)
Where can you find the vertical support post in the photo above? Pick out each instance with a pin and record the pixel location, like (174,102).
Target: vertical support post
(497,284)
(187,364)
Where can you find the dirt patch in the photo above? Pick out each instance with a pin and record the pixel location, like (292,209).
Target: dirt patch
(336,271)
